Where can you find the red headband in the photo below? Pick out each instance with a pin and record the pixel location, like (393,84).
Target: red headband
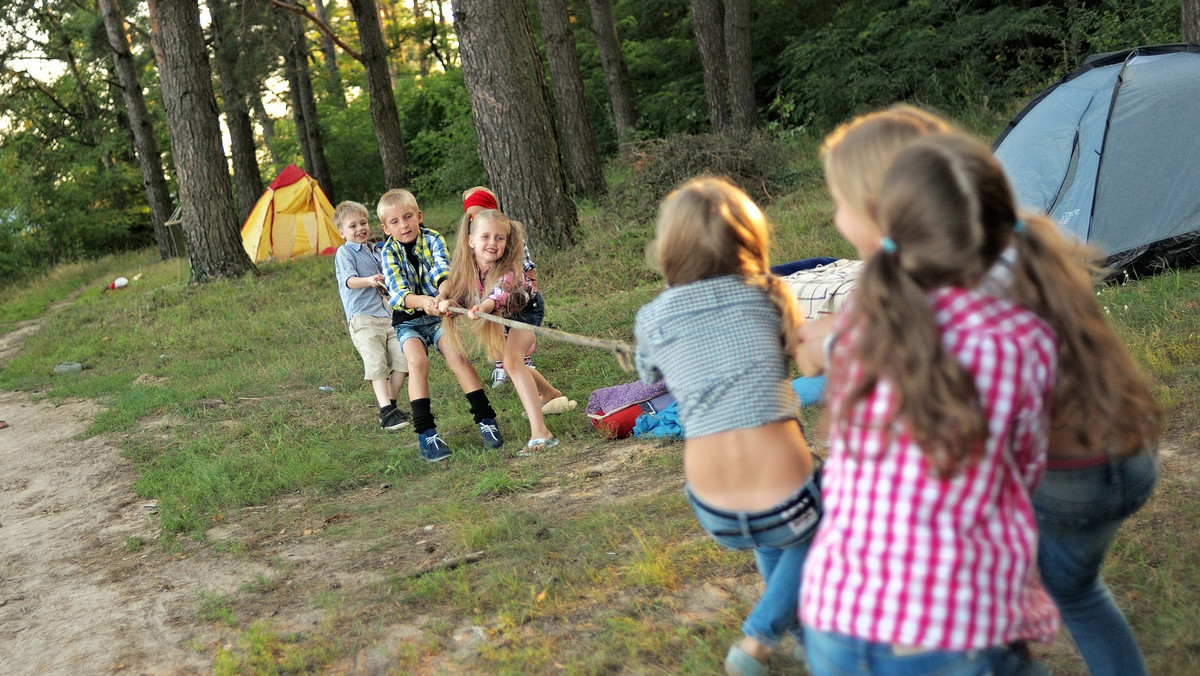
(480,198)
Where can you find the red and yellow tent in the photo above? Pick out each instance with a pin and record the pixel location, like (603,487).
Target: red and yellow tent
(292,218)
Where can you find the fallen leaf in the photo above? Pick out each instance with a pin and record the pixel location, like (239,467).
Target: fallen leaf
(541,597)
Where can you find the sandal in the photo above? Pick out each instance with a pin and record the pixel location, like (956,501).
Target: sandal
(558,405)
(535,443)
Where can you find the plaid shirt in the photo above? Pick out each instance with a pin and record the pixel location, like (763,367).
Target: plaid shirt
(403,278)
(907,559)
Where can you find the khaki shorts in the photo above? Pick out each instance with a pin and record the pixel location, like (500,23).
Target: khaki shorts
(375,341)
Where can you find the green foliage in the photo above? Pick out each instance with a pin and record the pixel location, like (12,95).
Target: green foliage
(952,54)
(442,147)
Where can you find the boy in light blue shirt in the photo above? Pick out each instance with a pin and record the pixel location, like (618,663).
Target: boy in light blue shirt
(360,282)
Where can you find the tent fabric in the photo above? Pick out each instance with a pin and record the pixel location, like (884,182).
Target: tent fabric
(292,218)
(1112,152)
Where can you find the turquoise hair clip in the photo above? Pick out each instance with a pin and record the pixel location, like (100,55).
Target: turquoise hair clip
(1020,225)
(888,245)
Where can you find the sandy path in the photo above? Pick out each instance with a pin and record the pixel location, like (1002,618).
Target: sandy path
(72,599)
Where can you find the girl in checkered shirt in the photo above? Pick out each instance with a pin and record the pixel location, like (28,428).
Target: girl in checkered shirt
(1103,463)
(925,561)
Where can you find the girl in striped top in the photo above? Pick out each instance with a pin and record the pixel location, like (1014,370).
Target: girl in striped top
(925,560)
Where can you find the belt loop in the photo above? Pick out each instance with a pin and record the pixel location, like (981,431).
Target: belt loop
(1114,469)
(744,524)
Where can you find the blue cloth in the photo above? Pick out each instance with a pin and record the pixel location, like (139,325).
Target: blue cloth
(785,269)
(664,424)
(836,655)
(810,390)
(1078,514)
(427,329)
(358,260)
(780,537)
(717,344)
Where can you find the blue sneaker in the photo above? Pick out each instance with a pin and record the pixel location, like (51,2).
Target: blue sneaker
(432,446)
(490,433)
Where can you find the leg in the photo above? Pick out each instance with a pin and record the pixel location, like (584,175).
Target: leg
(395,382)
(460,366)
(418,368)
(545,390)
(522,377)
(381,392)
(775,613)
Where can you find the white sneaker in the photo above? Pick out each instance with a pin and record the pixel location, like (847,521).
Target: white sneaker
(499,377)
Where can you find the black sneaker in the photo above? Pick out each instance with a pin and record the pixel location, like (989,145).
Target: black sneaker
(490,433)
(394,419)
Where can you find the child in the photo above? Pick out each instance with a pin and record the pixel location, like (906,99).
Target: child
(1102,466)
(717,334)
(475,200)
(367,314)
(415,268)
(486,276)
(940,399)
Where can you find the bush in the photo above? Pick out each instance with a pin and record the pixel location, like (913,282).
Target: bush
(761,164)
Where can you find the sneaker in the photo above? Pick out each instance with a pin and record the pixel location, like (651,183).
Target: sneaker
(499,377)
(432,446)
(394,419)
(490,433)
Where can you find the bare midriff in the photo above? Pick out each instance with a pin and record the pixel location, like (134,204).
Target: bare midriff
(749,469)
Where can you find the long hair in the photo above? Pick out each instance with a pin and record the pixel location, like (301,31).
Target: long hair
(462,285)
(708,228)
(947,206)
(857,153)
(1102,401)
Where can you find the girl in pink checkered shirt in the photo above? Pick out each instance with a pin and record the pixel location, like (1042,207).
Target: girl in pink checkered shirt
(926,558)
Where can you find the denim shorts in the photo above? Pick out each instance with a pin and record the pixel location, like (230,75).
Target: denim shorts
(427,328)
(790,523)
(533,313)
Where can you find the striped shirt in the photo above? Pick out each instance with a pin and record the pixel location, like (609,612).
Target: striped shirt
(904,558)
(404,278)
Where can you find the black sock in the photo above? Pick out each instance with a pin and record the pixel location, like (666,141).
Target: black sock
(393,403)
(480,407)
(422,417)
(384,410)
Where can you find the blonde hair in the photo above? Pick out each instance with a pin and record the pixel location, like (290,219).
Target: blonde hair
(707,228)
(345,210)
(857,153)
(462,284)
(396,198)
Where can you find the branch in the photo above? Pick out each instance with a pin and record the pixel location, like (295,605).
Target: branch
(296,9)
(621,350)
(449,564)
(39,86)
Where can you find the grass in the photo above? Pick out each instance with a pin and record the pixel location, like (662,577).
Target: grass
(594,563)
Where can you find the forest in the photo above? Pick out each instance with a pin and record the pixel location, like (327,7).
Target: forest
(126,125)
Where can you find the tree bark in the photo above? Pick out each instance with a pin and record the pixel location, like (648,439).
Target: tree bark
(158,196)
(330,53)
(304,105)
(743,110)
(247,179)
(708,29)
(616,75)
(209,221)
(575,129)
(384,113)
(1191,20)
(504,77)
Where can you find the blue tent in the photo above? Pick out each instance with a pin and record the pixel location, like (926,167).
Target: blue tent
(1112,151)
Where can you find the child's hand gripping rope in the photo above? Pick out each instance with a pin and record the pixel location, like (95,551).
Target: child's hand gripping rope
(621,350)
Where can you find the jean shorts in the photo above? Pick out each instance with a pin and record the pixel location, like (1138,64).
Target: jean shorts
(533,313)
(427,328)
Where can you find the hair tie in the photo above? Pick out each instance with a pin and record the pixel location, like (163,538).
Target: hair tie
(1020,225)
(888,245)
(480,198)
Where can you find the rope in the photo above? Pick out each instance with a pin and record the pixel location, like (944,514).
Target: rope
(621,350)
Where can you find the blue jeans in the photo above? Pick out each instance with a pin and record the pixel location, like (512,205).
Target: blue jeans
(427,328)
(1078,513)
(837,655)
(779,537)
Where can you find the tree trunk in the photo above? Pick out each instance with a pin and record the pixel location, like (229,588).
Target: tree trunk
(1191,20)
(575,129)
(247,179)
(743,111)
(504,77)
(383,101)
(708,29)
(209,220)
(336,90)
(616,76)
(268,130)
(304,106)
(158,196)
